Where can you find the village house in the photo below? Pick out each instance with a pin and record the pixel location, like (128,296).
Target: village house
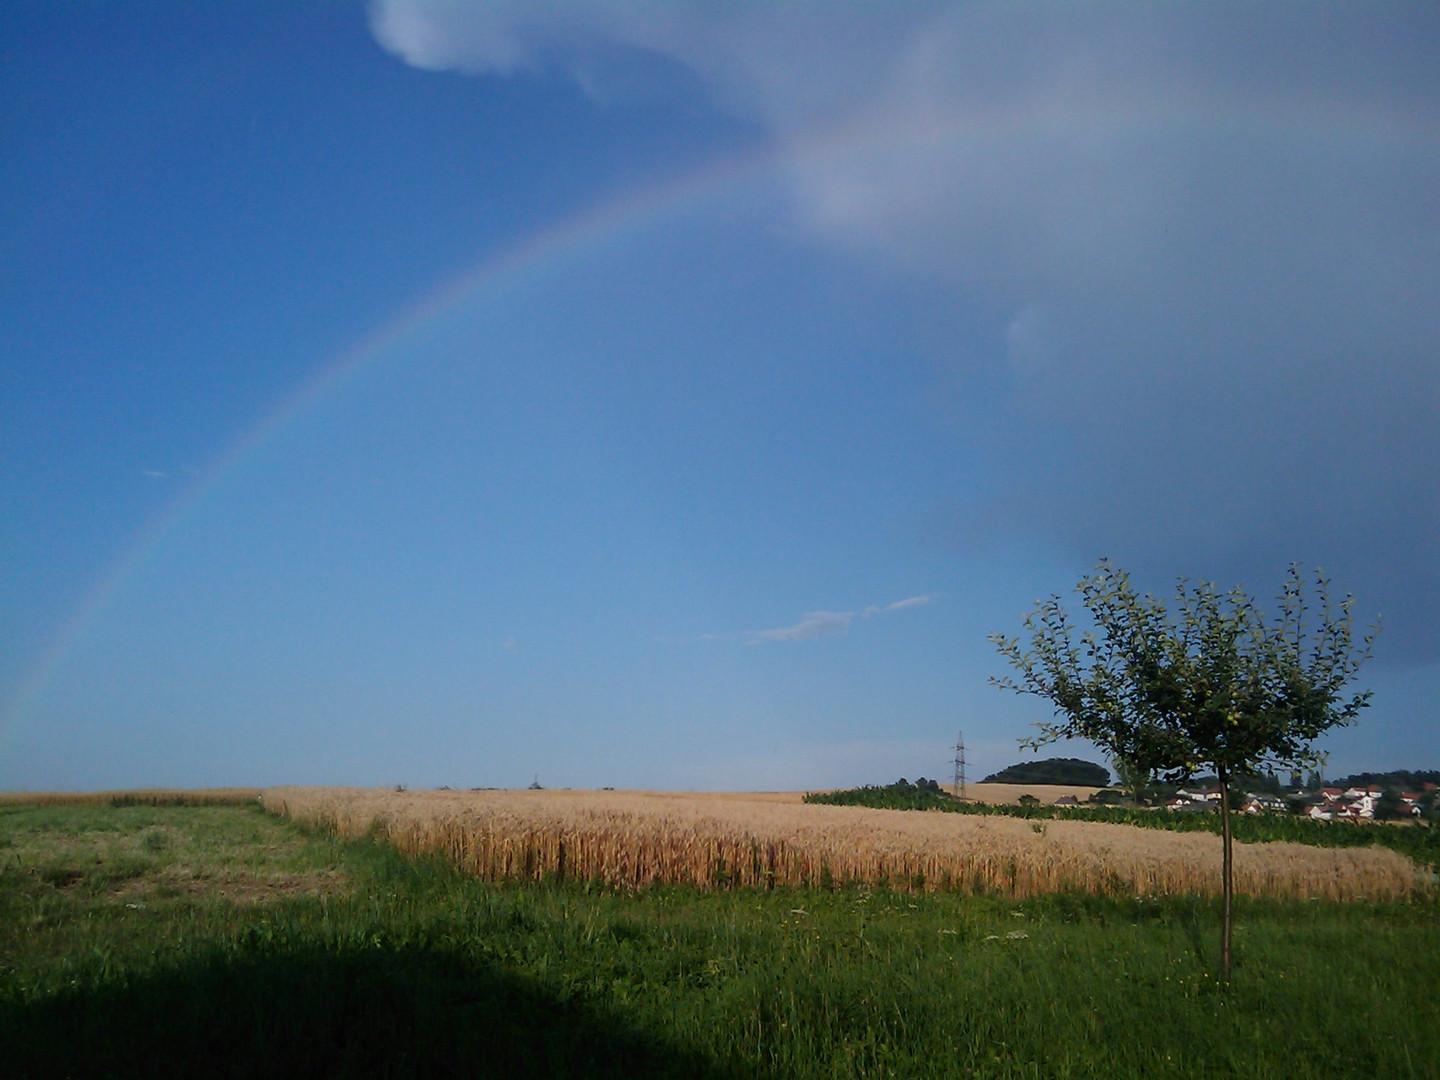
(1190,799)
(1205,795)
(1354,803)
(1262,804)
(1355,794)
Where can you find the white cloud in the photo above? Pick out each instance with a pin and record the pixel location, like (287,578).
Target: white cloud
(821,623)
(1204,230)
(792,66)
(910,602)
(153,474)
(814,624)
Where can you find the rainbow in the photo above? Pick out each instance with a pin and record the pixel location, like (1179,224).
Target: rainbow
(606,223)
(570,239)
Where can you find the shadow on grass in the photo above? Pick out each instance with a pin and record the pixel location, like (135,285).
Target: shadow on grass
(335,1012)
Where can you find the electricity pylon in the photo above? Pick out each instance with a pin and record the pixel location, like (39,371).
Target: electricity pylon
(959,786)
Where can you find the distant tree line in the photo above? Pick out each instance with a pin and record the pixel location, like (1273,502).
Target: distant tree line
(1404,779)
(1069,771)
(902,795)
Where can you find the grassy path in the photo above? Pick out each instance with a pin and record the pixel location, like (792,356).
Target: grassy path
(218,941)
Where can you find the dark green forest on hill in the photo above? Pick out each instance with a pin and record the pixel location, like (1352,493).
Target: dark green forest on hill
(1072,771)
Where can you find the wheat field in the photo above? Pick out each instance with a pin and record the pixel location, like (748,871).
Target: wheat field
(632,839)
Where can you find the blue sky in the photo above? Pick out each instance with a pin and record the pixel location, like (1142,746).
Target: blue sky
(677,396)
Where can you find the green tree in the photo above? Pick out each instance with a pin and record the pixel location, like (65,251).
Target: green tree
(1389,807)
(1134,776)
(1208,682)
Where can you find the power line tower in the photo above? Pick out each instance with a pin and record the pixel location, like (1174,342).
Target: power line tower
(959,786)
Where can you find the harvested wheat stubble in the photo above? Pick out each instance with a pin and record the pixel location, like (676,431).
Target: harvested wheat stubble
(630,839)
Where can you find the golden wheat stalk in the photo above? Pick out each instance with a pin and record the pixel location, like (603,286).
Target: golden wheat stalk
(631,839)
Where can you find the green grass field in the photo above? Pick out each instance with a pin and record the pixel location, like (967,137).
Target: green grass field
(218,941)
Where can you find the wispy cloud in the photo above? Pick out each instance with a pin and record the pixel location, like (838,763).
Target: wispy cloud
(911,601)
(822,623)
(814,624)
(153,474)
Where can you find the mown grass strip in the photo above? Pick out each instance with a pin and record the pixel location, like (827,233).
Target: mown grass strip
(134,797)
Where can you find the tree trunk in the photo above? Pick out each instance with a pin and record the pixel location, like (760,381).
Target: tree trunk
(1227,875)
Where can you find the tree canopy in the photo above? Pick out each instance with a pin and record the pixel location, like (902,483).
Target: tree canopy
(1210,682)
